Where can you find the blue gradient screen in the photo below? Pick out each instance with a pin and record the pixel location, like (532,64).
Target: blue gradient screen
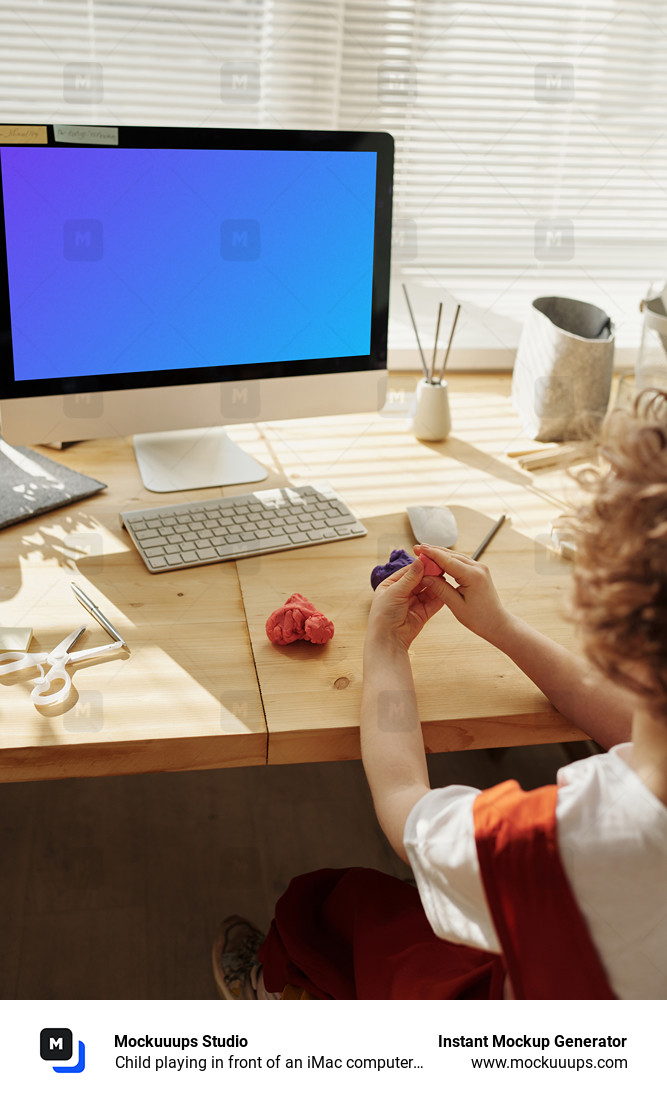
(126,260)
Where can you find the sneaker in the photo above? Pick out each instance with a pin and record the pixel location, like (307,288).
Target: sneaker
(235,963)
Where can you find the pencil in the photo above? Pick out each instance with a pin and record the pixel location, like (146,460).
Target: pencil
(431,377)
(487,539)
(451,337)
(414,325)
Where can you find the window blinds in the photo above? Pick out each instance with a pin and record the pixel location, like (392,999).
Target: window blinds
(531,154)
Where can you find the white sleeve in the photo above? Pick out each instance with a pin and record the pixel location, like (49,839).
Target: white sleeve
(440,843)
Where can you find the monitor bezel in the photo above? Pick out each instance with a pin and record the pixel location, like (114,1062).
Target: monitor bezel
(176,137)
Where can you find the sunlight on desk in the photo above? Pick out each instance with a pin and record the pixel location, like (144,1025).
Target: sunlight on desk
(469,694)
(202,674)
(187,696)
(374,461)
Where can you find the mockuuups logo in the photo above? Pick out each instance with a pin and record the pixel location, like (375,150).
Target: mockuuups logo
(55,1045)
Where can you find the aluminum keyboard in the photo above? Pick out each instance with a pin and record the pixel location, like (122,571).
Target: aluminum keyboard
(178,536)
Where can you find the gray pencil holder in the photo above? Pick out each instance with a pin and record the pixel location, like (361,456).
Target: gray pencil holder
(563,369)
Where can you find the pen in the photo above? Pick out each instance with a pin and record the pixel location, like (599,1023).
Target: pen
(97,614)
(487,539)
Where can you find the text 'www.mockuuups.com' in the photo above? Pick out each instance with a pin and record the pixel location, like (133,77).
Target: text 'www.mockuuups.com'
(575,1052)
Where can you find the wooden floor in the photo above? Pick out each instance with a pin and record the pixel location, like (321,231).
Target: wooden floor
(113,888)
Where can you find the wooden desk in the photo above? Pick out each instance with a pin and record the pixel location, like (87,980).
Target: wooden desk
(203,687)
(186,698)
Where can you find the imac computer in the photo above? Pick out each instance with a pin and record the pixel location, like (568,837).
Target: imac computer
(164,282)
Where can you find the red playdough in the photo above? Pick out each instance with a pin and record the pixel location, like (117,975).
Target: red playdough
(430,567)
(298,618)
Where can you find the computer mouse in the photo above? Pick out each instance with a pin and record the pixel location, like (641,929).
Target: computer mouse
(433,524)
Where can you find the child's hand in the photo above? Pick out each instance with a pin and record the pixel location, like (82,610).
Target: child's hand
(401,606)
(475,602)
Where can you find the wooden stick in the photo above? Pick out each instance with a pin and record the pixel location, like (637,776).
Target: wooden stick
(435,343)
(530,451)
(414,325)
(557,456)
(451,337)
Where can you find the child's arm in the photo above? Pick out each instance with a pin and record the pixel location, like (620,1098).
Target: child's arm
(592,703)
(392,746)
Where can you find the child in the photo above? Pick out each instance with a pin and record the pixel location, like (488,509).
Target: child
(555,893)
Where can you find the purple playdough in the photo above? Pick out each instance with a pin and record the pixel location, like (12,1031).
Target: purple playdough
(397,559)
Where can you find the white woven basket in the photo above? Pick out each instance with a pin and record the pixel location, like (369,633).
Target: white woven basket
(563,369)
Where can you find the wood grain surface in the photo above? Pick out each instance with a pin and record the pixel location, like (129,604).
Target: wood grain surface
(201,674)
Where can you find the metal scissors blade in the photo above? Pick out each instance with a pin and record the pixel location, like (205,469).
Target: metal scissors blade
(44,692)
(51,668)
(66,645)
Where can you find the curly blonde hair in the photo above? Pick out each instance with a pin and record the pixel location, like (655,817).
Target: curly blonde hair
(620,575)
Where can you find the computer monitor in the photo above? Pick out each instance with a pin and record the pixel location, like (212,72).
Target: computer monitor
(158,279)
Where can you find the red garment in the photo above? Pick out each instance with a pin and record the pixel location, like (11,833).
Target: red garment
(360,934)
(356,933)
(545,941)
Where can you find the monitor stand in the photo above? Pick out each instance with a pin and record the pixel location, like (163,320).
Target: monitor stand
(202,458)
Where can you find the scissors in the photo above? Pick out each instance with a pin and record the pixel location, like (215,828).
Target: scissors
(45,693)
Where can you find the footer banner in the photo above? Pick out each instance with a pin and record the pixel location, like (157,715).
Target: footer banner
(297,1048)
